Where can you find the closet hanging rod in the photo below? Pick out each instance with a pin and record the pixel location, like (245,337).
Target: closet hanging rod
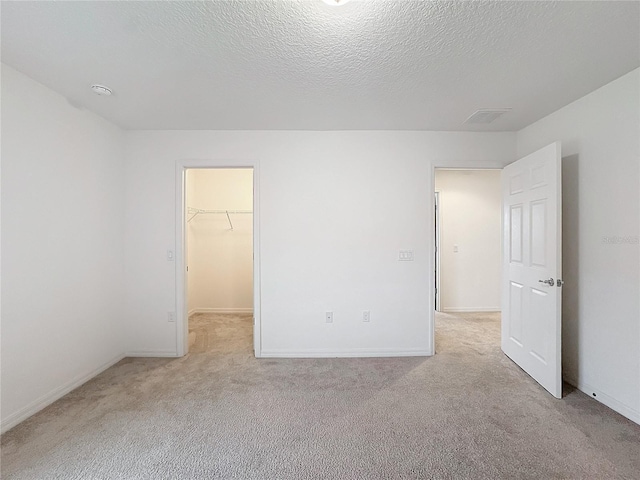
(194,212)
(200,210)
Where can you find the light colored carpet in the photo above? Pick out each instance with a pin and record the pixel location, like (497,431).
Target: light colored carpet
(467,412)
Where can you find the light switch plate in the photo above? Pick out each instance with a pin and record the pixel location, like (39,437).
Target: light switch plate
(405,256)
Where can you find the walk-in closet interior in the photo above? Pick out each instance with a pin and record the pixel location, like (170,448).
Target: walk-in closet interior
(219,229)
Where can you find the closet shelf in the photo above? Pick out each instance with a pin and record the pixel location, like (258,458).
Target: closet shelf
(194,212)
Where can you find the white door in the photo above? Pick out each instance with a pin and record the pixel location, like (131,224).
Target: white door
(532,264)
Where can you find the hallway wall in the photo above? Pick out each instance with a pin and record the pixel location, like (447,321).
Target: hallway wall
(470,222)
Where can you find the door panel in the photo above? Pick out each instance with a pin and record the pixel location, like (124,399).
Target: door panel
(531,321)
(515,313)
(515,233)
(538,233)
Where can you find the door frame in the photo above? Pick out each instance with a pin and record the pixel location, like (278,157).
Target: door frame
(182,323)
(481,165)
(436,257)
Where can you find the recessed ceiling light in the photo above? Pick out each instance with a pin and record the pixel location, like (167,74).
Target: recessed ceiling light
(101,90)
(335,3)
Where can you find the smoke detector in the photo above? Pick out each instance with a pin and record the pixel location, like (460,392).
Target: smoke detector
(486,115)
(101,90)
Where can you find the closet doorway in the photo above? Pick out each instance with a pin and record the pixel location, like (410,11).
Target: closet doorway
(216,245)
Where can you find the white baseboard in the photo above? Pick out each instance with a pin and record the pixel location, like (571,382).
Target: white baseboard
(55,394)
(605,399)
(470,309)
(220,310)
(152,354)
(358,353)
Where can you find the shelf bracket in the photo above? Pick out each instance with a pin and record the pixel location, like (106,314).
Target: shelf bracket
(229,218)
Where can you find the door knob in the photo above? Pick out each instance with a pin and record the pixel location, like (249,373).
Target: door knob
(549,282)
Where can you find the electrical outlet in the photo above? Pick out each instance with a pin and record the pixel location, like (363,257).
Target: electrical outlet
(171,316)
(366,316)
(328,317)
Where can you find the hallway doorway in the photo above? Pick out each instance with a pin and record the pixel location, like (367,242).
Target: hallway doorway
(467,236)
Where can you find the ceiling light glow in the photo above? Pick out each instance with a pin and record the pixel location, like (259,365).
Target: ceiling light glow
(335,3)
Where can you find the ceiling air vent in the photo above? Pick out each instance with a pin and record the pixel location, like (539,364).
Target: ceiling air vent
(486,115)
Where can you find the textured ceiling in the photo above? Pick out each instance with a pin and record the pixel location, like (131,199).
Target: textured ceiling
(401,65)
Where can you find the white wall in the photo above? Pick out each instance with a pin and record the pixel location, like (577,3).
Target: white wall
(470,218)
(220,276)
(62,246)
(601,223)
(336,207)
